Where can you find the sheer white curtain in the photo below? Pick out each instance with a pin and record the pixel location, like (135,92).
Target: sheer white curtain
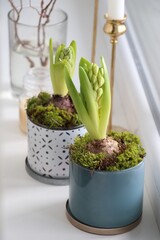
(144,39)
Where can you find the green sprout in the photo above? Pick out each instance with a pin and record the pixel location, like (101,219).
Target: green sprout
(94,101)
(65,57)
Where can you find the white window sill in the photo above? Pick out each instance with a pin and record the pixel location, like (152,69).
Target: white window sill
(32,210)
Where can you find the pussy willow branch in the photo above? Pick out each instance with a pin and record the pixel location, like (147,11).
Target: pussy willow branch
(18,11)
(43,14)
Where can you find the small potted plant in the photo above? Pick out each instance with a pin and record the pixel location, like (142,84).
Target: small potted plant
(53,122)
(106,168)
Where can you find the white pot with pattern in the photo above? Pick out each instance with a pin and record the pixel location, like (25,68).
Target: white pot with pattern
(48,152)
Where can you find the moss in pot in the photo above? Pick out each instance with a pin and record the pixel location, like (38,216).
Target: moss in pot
(106,168)
(53,122)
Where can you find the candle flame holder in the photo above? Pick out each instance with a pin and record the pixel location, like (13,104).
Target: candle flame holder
(114,28)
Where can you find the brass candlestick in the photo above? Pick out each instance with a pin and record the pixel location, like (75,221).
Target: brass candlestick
(114,28)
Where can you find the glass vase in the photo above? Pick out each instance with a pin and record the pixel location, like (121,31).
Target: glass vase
(29,34)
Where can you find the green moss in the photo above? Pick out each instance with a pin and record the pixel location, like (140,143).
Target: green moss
(41,111)
(83,157)
(132,155)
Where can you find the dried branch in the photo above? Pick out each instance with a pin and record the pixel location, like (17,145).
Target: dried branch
(43,15)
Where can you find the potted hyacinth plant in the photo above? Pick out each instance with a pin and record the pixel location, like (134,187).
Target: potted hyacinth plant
(53,122)
(106,168)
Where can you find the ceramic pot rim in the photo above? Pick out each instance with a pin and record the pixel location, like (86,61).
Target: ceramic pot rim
(108,172)
(56,129)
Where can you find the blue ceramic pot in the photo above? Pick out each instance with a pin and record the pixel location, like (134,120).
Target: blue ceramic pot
(105,199)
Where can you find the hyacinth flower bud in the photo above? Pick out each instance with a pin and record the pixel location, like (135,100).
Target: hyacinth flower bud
(93,103)
(64,57)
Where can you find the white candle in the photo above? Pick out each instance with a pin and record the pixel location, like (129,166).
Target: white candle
(116,9)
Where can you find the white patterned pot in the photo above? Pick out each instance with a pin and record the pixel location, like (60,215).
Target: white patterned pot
(48,150)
